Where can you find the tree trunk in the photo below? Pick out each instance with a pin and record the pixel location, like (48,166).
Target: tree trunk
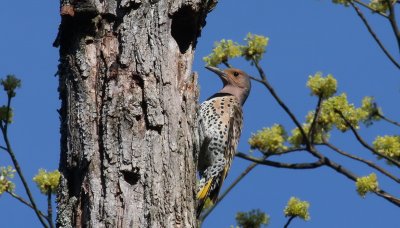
(128,112)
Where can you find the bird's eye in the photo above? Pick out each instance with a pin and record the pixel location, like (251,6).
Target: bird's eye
(235,74)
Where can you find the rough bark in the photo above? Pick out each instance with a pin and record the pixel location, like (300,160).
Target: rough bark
(128,113)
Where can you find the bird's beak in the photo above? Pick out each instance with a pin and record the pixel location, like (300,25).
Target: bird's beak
(219,72)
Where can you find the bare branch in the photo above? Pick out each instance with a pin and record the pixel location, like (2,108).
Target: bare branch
(235,182)
(282,104)
(49,209)
(227,64)
(279,164)
(22,200)
(373,34)
(314,121)
(393,22)
(288,222)
(388,197)
(362,141)
(388,120)
(347,173)
(17,167)
(369,163)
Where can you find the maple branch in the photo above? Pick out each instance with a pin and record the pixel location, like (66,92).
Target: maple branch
(362,141)
(369,163)
(373,34)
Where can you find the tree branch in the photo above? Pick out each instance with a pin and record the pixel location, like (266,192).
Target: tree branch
(284,152)
(347,173)
(279,164)
(369,163)
(227,64)
(388,120)
(22,200)
(368,7)
(373,34)
(288,222)
(49,209)
(314,121)
(16,165)
(281,103)
(361,140)
(235,182)
(393,22)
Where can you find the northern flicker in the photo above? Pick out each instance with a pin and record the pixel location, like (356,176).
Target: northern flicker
(221,120)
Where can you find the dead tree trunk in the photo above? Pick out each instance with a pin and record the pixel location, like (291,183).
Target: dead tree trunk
(128,113)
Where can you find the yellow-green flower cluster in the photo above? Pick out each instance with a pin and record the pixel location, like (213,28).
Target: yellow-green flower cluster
(329,115)
(366,184)
(296,139)
(252,219)
(255,47)
(3,114)
(297,208)
(342,2)
(388,145)
(47,181)
(323,87)
(369,106)
(227,49)
(379,5)
(223,50)
(10,84)
(6,173)
(269,140)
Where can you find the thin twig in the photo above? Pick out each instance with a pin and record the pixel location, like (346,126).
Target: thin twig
(22,200)
(362,141)
(369,163)
(289,221)
(49,209)
(279,164)
(393,22)
(373,34)
(286,151)
(390,198)
(314,121)
(227,64)
(347,173)
(281,103)
(237,180)
(17,167)
(388,120)
(3,148)
(372,9)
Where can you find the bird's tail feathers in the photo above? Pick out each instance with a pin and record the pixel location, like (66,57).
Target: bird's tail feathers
(202,196)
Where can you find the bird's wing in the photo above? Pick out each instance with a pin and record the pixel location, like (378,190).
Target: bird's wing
(234,130)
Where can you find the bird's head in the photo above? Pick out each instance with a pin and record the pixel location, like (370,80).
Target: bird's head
(236,82)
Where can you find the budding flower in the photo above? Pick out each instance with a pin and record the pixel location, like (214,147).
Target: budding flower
(388,145)
(10,84)
(6,173)
(222,52)
(269,139)
(255,47)
(323,87)
(366,184)
(47,181)
(297,208)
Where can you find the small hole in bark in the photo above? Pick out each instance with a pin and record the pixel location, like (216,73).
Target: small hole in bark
(132,177)
(184,27)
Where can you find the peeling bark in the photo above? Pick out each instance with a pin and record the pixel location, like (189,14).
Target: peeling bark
(128,113)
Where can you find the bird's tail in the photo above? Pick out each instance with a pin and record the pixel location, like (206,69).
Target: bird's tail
(203,194)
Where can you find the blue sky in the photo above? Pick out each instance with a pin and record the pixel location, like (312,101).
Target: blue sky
(305,37)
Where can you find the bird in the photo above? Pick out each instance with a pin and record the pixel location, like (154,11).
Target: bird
(220,126)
